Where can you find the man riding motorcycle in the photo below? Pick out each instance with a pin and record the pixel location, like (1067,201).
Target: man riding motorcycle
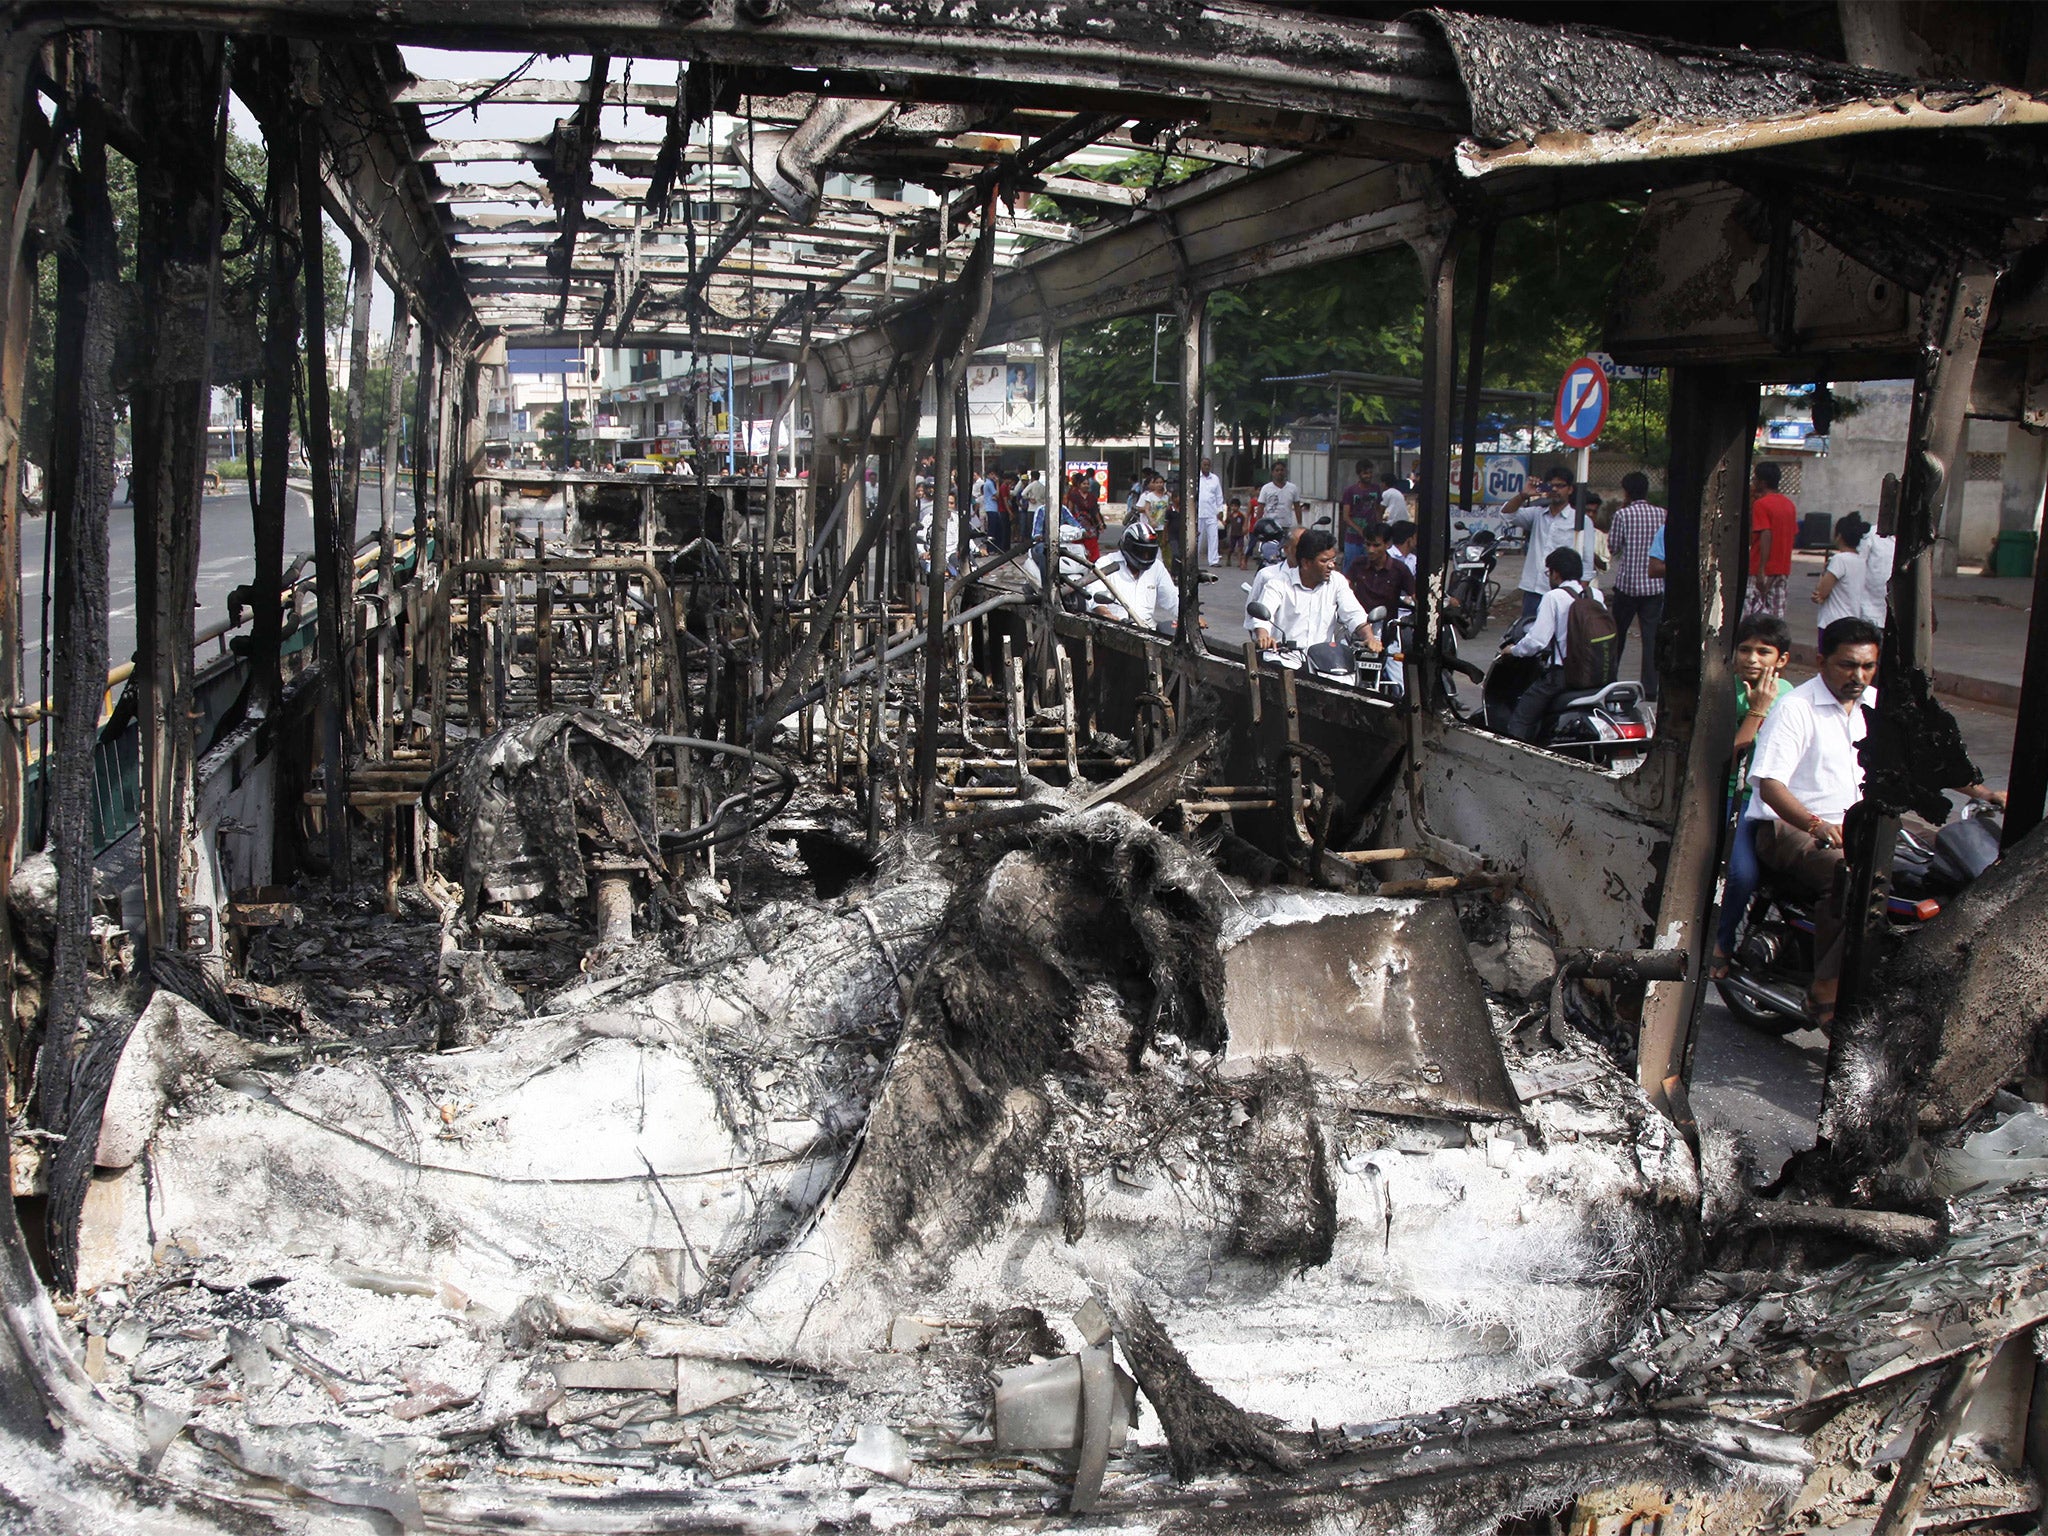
(1132,584)
(1310,601)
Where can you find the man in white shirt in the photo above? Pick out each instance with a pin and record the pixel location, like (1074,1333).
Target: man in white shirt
(1549,636)
(1393,500)
(1209,512)
(1806,775)
(1033,492)
(1550,524)
(1133,584)
(1280,497)
(1310,603)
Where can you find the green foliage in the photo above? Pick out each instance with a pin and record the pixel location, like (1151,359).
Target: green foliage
(243,265)
(1551,278)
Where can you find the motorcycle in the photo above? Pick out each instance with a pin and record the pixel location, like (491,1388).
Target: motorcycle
(1770,965)
(1598,725)
(1268,541)
(1473,590)
(1334,662)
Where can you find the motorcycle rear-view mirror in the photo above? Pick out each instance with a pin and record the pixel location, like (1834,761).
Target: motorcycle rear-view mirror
(1259,611)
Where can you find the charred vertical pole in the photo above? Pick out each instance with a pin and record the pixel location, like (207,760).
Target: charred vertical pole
(424,387)
(1475,365)
(361,727)
(20,275)
(935,598)
(183,96)
(2027,792)
(81,492)
(332,564)
(1713,423)
(1954,315)
(387,515)
(975,290)
(280,372)
(1194,322)
(1055,475)
(1433,516)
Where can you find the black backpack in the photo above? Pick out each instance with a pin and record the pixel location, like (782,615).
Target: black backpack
(1589,635)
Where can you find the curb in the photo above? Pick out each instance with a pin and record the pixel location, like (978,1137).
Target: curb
(1957,685)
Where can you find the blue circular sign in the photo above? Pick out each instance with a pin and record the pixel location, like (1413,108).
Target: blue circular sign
(1582,396)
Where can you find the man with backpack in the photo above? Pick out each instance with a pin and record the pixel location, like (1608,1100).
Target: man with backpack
(1575,635)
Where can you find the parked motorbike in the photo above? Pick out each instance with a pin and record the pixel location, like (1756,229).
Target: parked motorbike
(1600,725)
(1771,964)
(1472,589)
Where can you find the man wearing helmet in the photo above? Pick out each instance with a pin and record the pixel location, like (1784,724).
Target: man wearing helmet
(1132,584)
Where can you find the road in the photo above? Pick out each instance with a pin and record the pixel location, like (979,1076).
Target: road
(227,559)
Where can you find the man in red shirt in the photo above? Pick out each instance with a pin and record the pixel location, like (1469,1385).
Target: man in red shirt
(1773,530)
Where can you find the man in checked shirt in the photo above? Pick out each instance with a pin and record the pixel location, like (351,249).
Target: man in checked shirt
(1638,596)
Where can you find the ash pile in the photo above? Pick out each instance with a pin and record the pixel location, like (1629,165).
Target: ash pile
(1043,1171)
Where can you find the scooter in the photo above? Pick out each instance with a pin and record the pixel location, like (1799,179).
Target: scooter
(1600,725)
(1771,964)
(1269,541)
(1473,590)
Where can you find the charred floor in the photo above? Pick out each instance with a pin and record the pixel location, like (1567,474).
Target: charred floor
(658,1003)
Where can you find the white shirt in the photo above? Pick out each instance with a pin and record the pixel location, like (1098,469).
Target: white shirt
(1407,560)
(1845,600)
(1545,534)
(1808,744)
(1147,598)
(1394,504)
(1209,496)
(1152,507)
(1034,494)
(1547,630)
(1281,501)
(1876,550)
(1265,576)
(1307,616)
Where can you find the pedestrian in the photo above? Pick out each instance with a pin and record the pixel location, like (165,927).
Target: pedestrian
(1378,579)
(1840,589)
(1152,503)
(1774,530)
(1393,498)
(1034,499)
(1638,596)
(1763,649)
(1084,503)
(1209,513)
(1357,509)
(1235,531)
(1550,524)
(1005,517)
(1280,498)
(1549,636)
(1401,543)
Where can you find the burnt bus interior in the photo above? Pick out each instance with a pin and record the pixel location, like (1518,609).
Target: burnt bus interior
(627,1003)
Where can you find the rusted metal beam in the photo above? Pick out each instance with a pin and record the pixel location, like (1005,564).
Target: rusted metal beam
(1713,424)
(181,92)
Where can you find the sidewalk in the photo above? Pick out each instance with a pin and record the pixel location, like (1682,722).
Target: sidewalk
(1980,628)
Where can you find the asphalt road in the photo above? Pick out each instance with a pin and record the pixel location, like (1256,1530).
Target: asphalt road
(227,558)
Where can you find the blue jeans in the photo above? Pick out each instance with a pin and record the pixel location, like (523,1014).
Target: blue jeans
(1531,601)
(1744,874)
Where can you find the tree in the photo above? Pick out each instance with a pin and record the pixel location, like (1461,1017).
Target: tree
(1551,280)
(241,272)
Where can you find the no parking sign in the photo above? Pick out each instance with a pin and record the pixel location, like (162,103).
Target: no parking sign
(1582,396)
